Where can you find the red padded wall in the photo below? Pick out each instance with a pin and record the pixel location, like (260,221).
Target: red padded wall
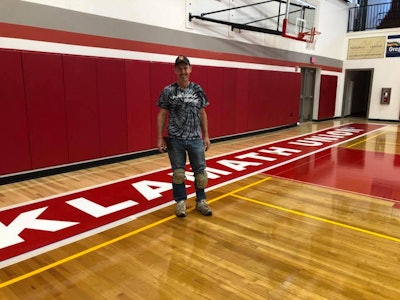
(254,100)
(229,101)
(327,97)
(279,95)
(59,109)
(139,105)
(200,76)
(81,106)
(112,106)
(242,99)
(284,90)
(14,137)
(45,104)
(267,100)
(291,107)
(161,75)
(215,94)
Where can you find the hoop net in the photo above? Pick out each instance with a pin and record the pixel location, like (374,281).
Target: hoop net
(310,37)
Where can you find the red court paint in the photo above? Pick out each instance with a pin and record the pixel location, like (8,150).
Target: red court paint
(366,172)
(36,227)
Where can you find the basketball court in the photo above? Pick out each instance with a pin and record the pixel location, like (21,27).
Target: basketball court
(299,212)
(308,212)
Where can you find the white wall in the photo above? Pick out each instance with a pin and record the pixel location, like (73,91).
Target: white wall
(162,13)
(385,74)
(332,24)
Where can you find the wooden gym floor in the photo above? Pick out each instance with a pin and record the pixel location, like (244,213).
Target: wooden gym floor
(272,235)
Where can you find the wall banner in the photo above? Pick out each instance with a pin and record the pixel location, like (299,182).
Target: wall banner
(363,48)
(393,46)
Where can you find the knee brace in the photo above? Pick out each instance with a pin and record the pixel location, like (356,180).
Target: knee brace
(178,176)
(201,179)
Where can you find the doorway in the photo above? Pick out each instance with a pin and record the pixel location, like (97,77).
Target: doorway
(307,94)
(357,93)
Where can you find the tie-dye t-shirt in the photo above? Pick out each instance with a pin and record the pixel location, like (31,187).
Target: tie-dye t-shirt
(184,107)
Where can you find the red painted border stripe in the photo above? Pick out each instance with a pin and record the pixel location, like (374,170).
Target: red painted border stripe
(73,38)
(26,228)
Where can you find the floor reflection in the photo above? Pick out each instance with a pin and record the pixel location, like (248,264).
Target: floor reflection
(370,167)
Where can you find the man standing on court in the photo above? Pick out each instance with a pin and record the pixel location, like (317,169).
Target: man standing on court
(185,103)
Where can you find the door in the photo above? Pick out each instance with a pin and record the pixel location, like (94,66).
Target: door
(307,94)
(357,93)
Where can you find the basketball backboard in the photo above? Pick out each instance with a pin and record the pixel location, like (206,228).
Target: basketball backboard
(299,22)
(293,19)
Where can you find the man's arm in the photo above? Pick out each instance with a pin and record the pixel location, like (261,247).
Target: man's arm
(204,127)
(161,145)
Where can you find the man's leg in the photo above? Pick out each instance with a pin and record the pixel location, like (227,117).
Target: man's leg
(177,157)
(197,160)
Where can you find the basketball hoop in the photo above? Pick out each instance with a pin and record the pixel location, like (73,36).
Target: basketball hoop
(310,37)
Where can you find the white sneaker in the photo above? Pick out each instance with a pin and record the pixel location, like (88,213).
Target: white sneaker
(181,209)
(203,207)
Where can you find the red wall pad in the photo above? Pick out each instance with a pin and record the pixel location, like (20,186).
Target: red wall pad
(242,99)
(199,75)
(288,88)
(46,108)
(215,96)
(81,106)
(229,115)
(161,75)
(327,97)
(254,100)
(112,106)
(139,105)
(14,137)
(269,103)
